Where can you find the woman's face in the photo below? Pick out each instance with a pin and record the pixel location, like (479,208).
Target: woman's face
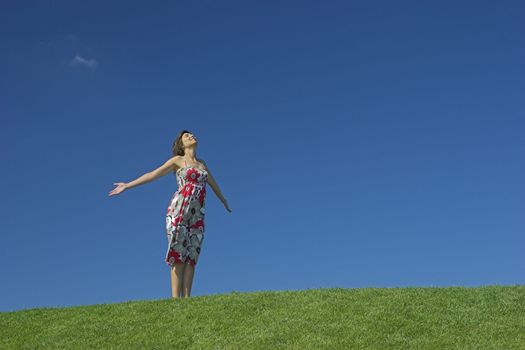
(188,139)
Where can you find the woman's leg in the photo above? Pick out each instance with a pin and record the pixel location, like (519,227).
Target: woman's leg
(187,279)
(177,272)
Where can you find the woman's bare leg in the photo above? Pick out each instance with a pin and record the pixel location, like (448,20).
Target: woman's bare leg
(187,280)
(177,272)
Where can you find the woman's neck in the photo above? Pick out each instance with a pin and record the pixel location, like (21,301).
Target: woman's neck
(190,154)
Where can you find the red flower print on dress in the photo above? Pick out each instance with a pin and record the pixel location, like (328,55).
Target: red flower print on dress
(198,224)
(192,175)
(174,256)
(186,190)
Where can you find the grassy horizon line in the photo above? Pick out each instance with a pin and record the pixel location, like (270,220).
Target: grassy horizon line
(487,317)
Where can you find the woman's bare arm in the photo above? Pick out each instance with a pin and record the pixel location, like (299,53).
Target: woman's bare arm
(165,168)
(213,184)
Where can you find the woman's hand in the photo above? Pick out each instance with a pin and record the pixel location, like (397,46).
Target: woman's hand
(121,187)
(225,202)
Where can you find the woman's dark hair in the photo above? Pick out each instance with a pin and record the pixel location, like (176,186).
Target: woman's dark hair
(177,149)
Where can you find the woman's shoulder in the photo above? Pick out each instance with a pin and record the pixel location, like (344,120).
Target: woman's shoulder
(203,163)
(177,161)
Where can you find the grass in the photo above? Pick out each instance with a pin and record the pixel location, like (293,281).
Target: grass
(489,317)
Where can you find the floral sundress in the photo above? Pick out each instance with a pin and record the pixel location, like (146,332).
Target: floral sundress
(185,216)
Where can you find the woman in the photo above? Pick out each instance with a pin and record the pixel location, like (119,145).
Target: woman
(185,213)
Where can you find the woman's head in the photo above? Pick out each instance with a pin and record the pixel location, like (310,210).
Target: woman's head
(184,140)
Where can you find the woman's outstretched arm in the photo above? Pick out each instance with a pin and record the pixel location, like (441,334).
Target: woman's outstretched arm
(165,168)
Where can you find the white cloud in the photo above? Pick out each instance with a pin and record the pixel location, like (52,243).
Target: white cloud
(79,60)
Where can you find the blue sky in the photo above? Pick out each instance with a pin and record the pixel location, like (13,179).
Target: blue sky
(359,144)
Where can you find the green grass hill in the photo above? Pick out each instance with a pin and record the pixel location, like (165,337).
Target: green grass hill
(444,318)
